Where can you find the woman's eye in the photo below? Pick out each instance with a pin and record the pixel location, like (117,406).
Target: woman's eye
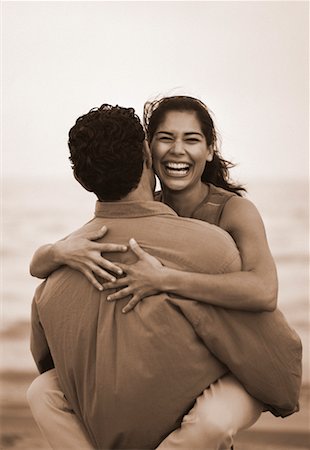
(192,140)
(165,139)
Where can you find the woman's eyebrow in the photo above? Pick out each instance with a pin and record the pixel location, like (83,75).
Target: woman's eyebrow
(164,132)
(193,132)
(187,133)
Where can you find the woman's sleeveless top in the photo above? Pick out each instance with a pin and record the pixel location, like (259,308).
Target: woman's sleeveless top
(211,208)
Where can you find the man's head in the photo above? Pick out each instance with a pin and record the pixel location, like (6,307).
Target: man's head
(107,151)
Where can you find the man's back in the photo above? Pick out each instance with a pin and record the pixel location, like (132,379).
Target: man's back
(131,378)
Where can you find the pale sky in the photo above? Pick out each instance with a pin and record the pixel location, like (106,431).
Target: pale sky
(248,61)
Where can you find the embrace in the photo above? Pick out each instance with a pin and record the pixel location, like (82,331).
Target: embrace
(156,326)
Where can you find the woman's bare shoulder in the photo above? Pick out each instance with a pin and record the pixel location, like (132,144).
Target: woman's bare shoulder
(239,212)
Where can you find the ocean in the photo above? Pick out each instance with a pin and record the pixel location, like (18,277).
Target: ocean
(36,212)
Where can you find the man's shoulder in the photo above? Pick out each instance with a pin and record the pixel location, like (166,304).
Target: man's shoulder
(83,228)
(196,245)
(206,229)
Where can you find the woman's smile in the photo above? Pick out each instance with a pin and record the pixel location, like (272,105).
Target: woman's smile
(176,169)
(180,151)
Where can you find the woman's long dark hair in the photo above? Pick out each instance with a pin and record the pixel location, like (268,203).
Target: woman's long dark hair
(216,171)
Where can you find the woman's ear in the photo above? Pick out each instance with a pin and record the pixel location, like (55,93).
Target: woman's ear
(147,154)
(210,155)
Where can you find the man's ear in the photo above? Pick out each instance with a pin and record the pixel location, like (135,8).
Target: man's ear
(147,154)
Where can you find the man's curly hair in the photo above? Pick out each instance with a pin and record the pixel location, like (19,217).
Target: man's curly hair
(106,151)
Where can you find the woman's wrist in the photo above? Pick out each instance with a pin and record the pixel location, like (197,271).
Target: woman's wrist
(170,279)
(44,261)
(57,254)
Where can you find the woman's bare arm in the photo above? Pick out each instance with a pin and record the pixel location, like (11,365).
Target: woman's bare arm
(44,261)
(80,252)
(252,289)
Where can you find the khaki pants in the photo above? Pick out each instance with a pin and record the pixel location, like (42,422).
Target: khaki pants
(219,413)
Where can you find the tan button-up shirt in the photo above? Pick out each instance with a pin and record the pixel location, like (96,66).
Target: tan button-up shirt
(131,378)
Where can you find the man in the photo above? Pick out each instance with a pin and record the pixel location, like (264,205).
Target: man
(131,378)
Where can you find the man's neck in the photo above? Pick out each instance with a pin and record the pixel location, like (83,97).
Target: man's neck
(139,195)
(144,191)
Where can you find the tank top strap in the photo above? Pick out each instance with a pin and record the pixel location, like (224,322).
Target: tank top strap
(158,196)
(210,210)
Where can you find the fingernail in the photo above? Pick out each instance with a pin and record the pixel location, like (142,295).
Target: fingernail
(100,288)
(133,241)
(113,279)
(124,311)
(120,272)
(109,299)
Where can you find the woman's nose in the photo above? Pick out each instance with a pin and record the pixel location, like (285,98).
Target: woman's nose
(178,148)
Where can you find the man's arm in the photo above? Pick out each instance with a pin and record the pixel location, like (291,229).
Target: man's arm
(38,344)
(260,349)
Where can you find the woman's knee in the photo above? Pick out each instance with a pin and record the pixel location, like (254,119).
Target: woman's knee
(213,424)
(212,409)
(226,405)
(37,393)
(203,430)
(207,420)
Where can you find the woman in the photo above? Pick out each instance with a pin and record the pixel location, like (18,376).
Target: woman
(195,183)
(193,175)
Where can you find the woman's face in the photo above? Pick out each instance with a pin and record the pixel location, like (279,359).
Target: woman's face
(180,150)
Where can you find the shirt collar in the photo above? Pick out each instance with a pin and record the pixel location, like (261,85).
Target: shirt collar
(132,209)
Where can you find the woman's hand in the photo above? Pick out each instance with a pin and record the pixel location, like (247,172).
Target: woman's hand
(80,252)
(142,278)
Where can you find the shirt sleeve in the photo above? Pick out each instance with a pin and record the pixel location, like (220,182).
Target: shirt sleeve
(38,343)
(260,349)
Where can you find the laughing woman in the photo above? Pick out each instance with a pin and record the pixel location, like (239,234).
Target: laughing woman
(195,183)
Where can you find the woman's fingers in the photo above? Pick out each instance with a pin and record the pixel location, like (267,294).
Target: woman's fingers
(131,304)
(102,273)
(103,247)
(124,267)
(122,294)
(119,294)
(133,244)
(92,270)
(92,279)
(143,255)
(117,284)
(111,248)
(98,234)
(120,282)
(103,263)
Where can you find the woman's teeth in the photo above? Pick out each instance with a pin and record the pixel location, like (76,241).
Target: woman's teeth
(177,168)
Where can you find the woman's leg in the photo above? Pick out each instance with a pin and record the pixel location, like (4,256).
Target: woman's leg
(218,414)
(51,411)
